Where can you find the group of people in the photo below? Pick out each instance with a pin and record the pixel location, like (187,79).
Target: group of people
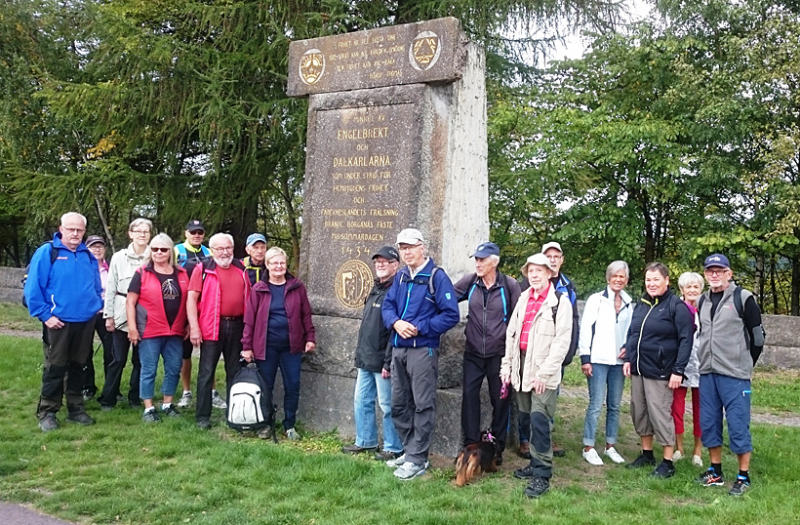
(163,301)
(519,337)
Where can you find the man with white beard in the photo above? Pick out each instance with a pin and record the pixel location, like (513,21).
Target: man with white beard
(216,322)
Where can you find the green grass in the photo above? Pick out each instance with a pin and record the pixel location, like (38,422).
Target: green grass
(122,471)
(16,317)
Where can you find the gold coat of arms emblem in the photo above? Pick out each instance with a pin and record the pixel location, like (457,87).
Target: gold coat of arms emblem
(312,66)
(353,283)
(424,50)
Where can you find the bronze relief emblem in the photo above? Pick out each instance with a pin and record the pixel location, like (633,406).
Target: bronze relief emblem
(312,66)
(353,282)
(424,51)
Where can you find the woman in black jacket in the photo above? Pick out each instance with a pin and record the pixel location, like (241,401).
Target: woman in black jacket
(657,351)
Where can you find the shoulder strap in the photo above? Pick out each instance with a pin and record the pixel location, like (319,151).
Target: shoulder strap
(555,308)
(737,302)
(53,252)
(431,288)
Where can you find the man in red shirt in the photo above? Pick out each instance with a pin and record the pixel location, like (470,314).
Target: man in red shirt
(215,309)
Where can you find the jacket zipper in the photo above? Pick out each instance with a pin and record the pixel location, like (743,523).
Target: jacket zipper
(639,343)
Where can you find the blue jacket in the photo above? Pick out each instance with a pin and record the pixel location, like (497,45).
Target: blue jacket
(69,289)
(409,299)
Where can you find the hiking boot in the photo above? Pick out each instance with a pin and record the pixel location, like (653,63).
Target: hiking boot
(558,451)
(537,487)
(387,455)
(355,449)
(49,422)
(292,435)
(410,470)
(264,433)
(613,455)
(739,486)
(170,411)
(186,400)
(592,457)
(81,418)
(641,461)
(524,473)
(217,401)
(396,462)
(525,450)
(711,479)
(203,424)
(151,416)
(664,470)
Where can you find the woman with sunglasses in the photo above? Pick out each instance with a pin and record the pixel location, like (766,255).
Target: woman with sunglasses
(156,305)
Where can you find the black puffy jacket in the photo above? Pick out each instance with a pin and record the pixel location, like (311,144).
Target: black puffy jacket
(373,351)
(660,337)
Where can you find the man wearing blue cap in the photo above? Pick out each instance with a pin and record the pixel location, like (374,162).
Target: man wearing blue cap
(254,263)
(491,297)
(730,340)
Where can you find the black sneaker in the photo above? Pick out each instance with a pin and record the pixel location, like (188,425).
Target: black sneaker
(711,479)
(664,470)
(48,422)
(106,408)
(203,424)
(81,418)
(537,487)
(151,416)
(558,451)
(641,461)
(739,486)
(355,449)
(524,473)
(387,455)
(170,411)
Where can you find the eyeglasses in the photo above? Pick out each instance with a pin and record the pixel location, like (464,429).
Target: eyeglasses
(554,257)
(408,248)
(223,248)
(140,232)
(197,232)
(716,272)
(277,263)
(156,249)
(74,230)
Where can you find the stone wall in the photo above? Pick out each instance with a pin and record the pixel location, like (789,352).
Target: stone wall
(11,285)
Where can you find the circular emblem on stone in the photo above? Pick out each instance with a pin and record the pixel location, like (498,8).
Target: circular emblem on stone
(312,66)
(353,283)
(424,50)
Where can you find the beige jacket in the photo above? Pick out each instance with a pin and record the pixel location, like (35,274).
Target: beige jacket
(548,342)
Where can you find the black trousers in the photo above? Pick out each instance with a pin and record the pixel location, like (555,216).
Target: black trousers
(90,385)
(229,346)
(475,369)
(120,347)
(65,355)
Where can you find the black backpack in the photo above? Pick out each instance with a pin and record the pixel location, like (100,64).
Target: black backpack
(249,403)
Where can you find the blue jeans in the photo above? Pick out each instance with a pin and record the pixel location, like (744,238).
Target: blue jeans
(290,372)
(606,383)
(171,349)
(368,385)
(720,393)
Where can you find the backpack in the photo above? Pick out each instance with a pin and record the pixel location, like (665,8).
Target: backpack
(249,403)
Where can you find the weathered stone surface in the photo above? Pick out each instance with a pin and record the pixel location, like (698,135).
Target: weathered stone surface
(336,346)
(11,285)
(423,52)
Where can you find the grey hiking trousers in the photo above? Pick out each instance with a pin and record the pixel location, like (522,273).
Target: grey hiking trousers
(415,372)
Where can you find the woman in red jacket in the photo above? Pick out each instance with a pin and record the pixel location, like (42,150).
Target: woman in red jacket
(156,311)
(278,330)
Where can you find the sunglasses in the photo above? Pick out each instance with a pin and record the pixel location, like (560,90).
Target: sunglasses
(162,250)
(197,232)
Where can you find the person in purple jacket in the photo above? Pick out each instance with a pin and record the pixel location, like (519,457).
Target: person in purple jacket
(278,331)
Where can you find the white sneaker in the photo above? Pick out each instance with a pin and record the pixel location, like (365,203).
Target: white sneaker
(186,400)
(697,461)
(614,456)
(396,462)
(292,435)
(217,401)
(592,457)
(409,471)
(677,456)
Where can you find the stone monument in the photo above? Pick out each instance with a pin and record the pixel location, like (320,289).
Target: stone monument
(396,139)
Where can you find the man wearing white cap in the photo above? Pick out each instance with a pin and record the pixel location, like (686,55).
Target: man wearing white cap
(537,340)
(419,307)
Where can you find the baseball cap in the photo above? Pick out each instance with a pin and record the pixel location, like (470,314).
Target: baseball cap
(552,245)
(94,239)
(254,238)
(410,236)
(538,259)
(485,249)
(387,252)
(194,225)
(716,259)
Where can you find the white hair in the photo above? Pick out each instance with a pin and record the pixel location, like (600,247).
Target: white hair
(70,214)
(688,278)
(219,236)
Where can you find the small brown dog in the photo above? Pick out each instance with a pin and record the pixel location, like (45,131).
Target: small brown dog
(475,459)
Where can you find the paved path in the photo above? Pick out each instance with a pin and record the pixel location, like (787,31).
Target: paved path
(12,514)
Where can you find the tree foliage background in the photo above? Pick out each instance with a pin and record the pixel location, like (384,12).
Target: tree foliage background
(669,139)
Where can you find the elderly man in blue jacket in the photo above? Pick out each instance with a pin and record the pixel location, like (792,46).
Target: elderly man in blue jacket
(420,306)
(63,291)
